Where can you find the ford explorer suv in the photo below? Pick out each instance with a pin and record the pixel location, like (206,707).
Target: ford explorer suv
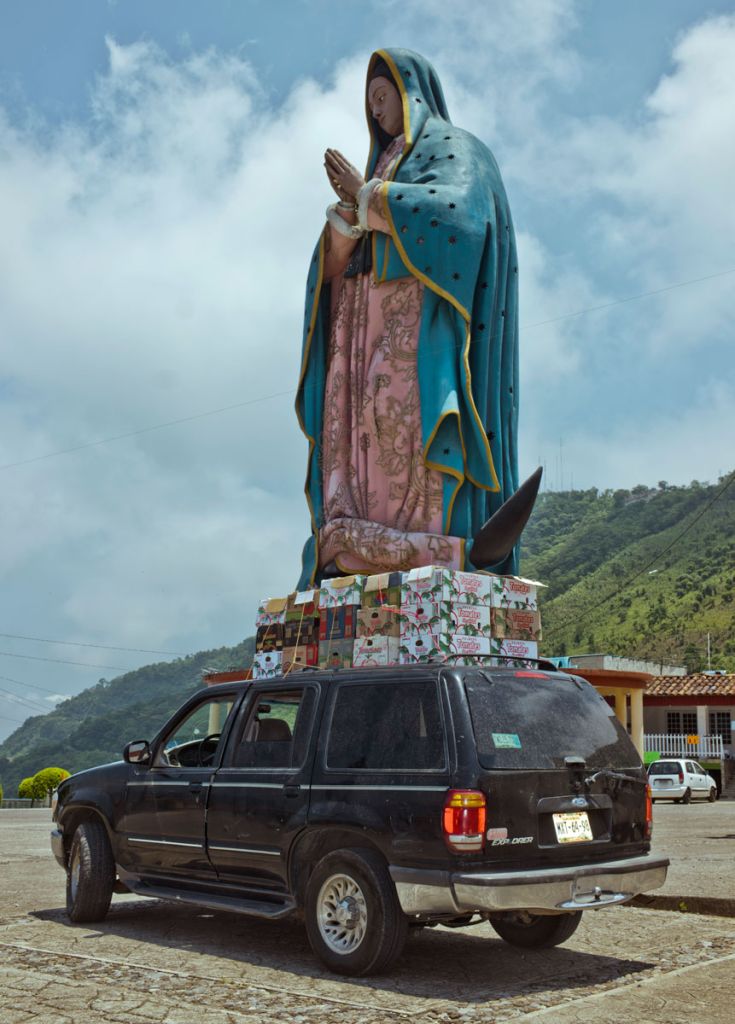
(367,801)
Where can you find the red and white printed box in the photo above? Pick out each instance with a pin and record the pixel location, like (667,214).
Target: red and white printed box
(429,647)
(271,610)
(267,664)
(446,618)
(436,583)
(514,648)
(375,650)
(342,590)
(514,592)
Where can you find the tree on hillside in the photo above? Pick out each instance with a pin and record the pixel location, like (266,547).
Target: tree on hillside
(49,778)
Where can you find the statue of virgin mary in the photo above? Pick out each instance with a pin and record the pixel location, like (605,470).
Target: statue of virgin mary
(408,391)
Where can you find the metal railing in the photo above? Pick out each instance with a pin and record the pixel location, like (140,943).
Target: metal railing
(681,745)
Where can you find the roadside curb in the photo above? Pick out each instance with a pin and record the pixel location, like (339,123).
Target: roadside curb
(708,905)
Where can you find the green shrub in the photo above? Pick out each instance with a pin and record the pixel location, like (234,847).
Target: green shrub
(29,789)
(47,779)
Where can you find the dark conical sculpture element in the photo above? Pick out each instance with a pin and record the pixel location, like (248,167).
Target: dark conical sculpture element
(497,538)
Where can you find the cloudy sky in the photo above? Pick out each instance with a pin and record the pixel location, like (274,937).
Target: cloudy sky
(161,190)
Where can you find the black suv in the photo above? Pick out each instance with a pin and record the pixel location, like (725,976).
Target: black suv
(369,801)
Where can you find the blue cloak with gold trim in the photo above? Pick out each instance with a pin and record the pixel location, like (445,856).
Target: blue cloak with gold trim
(450,226)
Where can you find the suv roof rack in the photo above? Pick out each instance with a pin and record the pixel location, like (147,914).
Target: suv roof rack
(543,663)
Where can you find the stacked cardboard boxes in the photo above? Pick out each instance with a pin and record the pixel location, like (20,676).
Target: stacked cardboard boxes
(424,615)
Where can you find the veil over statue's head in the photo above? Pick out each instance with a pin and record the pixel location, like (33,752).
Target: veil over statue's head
(436,429)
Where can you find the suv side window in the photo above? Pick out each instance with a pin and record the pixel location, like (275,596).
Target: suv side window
(388,726)
(275,731)
(690,768)
(195,739)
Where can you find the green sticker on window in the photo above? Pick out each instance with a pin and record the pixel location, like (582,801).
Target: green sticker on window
(507,740)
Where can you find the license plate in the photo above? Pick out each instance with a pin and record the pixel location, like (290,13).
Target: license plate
(573,827)
(662,782)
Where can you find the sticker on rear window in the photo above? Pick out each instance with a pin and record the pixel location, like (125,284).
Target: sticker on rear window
(506,740)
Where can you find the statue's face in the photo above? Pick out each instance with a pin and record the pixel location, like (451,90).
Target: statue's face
(385,105)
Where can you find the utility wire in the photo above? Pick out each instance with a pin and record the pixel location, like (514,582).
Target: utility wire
(32,686)
(18,721)
(101,647)
(292,391)
(61,661)
(16,698)
(588,611)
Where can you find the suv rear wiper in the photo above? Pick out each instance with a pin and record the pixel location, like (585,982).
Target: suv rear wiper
(609,774)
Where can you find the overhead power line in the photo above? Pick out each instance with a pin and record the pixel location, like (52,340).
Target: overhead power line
(292,391)
(17,699)
(61,661)
(79,643)
(626,583)
(31,686)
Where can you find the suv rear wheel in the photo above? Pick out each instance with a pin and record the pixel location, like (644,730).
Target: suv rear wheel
(687,796)
(353,919)
(536,931)
(90,875)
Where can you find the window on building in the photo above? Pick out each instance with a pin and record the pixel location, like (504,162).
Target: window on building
(681,722)
(719,725)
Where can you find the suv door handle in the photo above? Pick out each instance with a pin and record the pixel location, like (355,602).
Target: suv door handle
(292,789)
(195,787)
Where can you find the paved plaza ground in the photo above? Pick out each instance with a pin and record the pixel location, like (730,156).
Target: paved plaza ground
(156,962)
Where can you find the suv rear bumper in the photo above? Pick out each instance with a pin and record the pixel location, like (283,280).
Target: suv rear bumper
(578,887)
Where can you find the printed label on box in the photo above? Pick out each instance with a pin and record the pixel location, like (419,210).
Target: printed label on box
(383,621)
(437,584)
(375,650)
(296,634)
(301,597)
(514,592)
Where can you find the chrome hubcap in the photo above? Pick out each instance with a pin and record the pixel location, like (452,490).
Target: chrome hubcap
(341,914)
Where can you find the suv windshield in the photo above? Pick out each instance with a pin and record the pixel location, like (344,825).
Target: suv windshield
(522,722)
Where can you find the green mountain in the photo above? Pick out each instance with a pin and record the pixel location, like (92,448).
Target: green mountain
(93,727)
(646,573)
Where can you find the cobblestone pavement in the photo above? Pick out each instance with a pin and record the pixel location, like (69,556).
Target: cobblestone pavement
(156,962)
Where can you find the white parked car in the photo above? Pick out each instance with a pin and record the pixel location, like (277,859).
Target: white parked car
(679,779)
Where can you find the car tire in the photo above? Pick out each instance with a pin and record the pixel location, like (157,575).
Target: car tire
(712,795)
(90,875)
(536,931)
(687,796)
(354,921)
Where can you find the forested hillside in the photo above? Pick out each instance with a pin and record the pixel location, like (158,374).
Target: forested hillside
(644,573)
(93,727)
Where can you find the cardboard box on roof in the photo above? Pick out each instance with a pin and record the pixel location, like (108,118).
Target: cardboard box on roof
(267,664)
(514,592)
(382,589)
(515,624)
(382,621)
(269,638)
(302,597)
(438,584)
(300,631)
(337,654)
(271,610)
(514,648)
(375,650)
(338,623)
(418,647)
(342,590)
(295,658)
(445,618)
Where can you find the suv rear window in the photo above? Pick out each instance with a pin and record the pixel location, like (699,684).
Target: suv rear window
(386,726)
(664,768)
(536,723)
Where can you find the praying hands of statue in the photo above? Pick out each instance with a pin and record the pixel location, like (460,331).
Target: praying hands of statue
(344,178)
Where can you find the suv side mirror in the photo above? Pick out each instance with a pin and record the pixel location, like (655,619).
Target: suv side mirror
(137,752)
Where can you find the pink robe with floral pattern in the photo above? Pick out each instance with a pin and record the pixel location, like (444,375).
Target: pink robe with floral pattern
(382,505)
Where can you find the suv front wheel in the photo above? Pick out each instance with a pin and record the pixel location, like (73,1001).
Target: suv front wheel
(353,919)
(536,931)
(90,875)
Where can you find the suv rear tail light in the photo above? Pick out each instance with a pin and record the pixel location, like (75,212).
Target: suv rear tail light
(649,813)
(465,812)
(681,775)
